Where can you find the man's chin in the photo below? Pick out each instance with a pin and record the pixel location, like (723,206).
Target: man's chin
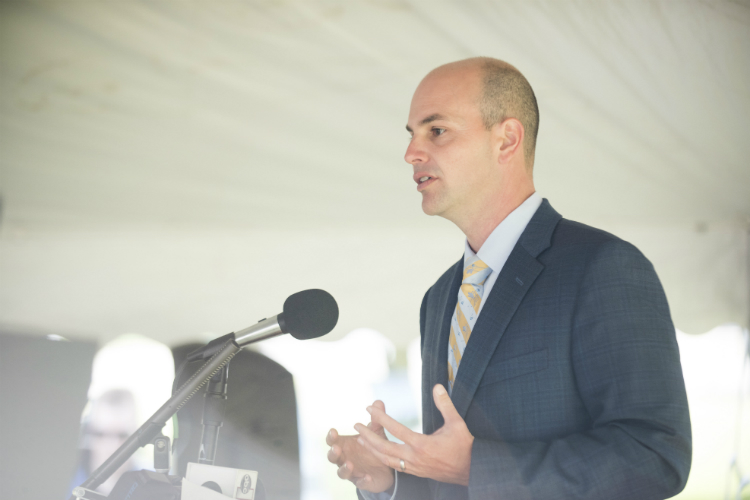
(428,210)
(429,207)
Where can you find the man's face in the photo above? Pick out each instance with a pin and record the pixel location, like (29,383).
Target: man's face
(450,145)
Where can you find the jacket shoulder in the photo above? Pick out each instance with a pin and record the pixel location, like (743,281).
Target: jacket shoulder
(587,241)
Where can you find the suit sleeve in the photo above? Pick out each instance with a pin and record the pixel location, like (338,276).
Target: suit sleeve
(627,369)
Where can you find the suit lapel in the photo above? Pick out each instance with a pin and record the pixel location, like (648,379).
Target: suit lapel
(439,349)
(518,274)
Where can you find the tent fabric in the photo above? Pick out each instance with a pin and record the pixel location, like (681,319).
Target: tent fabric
(179,168)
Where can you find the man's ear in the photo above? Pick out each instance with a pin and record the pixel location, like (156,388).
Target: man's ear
(508,135)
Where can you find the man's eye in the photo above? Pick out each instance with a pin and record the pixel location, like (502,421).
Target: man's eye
(437,131)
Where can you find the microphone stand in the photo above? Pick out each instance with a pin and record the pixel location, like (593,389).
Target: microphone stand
(152,428)
(214,406)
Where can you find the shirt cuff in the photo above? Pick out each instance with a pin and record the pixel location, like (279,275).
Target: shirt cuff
(383,495)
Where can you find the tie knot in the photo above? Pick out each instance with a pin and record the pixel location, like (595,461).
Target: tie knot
(476,272)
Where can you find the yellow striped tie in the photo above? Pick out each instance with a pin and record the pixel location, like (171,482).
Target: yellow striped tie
(465,315)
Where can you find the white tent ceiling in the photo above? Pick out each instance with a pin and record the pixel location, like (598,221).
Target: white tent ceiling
(178,168)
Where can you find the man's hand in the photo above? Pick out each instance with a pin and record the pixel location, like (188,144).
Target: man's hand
(356,463)
(444,456)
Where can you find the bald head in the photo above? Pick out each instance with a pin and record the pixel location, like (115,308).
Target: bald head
(501,92)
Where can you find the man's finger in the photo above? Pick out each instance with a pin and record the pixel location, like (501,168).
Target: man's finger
(376,427)
(444,404)
(391,425)
(375,443)
(391,461)
(364,483)
(344,472)
(331,437)
(334,455)
(394,463)
(382,458)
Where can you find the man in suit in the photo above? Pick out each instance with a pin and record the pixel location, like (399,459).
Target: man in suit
(550,365)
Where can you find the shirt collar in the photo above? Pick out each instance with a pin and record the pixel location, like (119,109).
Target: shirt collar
(503,238)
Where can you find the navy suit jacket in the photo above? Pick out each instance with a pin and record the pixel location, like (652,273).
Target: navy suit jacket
(571,383)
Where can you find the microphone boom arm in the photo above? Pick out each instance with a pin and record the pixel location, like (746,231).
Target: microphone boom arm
(149,430)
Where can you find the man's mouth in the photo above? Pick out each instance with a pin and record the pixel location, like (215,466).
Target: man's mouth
(424,181)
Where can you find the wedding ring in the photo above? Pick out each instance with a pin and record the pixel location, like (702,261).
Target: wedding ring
(403,465)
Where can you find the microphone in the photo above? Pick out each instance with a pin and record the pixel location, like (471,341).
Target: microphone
(308,314)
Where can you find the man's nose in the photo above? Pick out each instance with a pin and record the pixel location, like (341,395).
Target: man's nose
(415,152)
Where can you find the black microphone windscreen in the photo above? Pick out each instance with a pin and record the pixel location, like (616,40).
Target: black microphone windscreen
(309,314)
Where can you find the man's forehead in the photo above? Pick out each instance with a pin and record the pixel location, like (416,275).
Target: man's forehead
(451,106)
(444,95)
(455,109)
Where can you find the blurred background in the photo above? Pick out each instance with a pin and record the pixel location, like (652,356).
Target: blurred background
(171,171)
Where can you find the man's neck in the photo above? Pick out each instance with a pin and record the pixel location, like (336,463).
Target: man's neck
(479,227)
